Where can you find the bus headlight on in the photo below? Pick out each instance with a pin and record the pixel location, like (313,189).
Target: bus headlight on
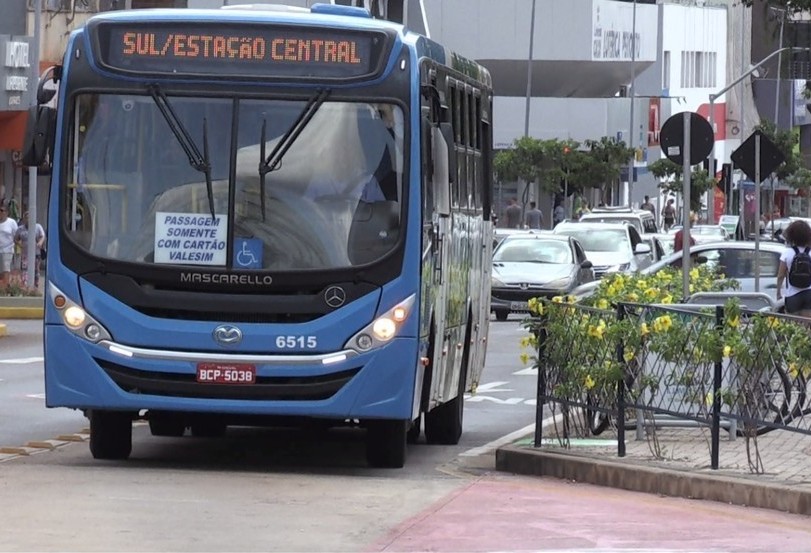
(75,318)
(382,329)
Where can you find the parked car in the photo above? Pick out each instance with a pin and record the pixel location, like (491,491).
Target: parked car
(500,234)
(642,219)
(658,250)
(735,259)
(708,233)
(535,265)
(611,247)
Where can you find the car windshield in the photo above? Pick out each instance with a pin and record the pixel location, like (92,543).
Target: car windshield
(534,251)
(603,240)
(600,218)
(135,193)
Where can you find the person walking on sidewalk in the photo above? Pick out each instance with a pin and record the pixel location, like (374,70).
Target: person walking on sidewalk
(789,285)
(8,229)
(21,238)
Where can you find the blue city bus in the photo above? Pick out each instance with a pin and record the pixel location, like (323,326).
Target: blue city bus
(265,217)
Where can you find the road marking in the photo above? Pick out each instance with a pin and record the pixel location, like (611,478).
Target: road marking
(511,437)
(22,360)
(499,401)
(492,387)
(529,371)
(35,396)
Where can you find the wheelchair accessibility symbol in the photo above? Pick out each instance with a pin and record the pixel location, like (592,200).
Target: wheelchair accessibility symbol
(248,253)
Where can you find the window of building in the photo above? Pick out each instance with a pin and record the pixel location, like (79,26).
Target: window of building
(698,69)
(666,70)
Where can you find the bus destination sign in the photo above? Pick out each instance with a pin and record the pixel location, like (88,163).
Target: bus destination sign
(230,51)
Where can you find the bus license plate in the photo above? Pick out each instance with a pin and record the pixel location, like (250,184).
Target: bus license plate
(222,373)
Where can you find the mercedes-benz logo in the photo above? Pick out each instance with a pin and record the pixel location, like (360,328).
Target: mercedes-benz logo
(227,335)
(335,296)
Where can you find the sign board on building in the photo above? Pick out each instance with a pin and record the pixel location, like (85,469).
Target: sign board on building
(15,74)
(614,35)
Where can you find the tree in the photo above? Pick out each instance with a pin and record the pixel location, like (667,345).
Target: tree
(700,181)
(555,164)
(786,142)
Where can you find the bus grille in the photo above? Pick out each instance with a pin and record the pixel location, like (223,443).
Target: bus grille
(266,388)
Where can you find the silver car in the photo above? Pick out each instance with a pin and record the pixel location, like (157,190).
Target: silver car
(611,247)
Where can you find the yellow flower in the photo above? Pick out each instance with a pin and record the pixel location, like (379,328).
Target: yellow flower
(693,273)
(558,299)
(727,351)
(662,324)
(571,298)
(641,283)
(643,329)
(628,355)
(597,331)
(772,322)
(602,303)
(589,382)
(534,305)
(734,322)
(793,371)
(633,296)
(525,342)
(524,358)
(667,299)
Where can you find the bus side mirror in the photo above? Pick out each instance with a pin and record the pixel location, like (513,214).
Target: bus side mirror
(39,136)
(440,178)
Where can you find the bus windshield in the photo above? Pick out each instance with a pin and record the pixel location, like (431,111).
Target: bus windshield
(137,190)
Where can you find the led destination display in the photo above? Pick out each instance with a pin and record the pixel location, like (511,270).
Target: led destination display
(240,51)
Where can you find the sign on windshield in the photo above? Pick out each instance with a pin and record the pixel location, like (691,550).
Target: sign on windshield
(229,50)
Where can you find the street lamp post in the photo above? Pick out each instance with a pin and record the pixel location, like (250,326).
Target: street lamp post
(631,93)
(721,92)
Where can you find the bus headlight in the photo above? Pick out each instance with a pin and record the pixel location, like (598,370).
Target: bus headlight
(383,328)
(75,318)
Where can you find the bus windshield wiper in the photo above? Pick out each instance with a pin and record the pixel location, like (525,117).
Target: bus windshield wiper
(272,162)
(199,162)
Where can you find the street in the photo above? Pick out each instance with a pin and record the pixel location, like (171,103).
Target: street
(262,489)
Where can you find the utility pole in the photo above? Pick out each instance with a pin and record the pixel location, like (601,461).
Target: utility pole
(529,97)
(31,242)
(631,93)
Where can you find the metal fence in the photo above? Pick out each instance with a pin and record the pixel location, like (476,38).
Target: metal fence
(653,366)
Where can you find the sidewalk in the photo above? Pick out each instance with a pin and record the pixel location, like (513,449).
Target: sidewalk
(18,307)
(682,466)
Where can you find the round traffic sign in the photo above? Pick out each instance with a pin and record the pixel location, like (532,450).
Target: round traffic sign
(671,138)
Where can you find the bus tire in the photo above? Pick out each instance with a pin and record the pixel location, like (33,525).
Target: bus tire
(501,315)
(166,424)
(443,424)
(386,443)
(110,434)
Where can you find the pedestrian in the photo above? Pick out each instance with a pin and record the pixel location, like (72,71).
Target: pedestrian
(678,239)
(648,206)
(512,215)
(793,280)
(21,238)
(8,229)
(669,215)
(558,215)
(534,217)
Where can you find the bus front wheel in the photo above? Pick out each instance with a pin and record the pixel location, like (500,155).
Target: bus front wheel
(110,434)
(386,443)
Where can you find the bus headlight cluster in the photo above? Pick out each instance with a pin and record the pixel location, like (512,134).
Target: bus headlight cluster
(75,318)
(382,329)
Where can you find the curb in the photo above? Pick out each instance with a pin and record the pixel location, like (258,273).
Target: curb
(21,313)
(654,480)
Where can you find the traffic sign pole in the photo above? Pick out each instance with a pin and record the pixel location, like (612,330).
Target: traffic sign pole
(685,241)
(757,213)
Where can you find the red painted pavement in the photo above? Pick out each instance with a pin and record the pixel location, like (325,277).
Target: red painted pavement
(501,512)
